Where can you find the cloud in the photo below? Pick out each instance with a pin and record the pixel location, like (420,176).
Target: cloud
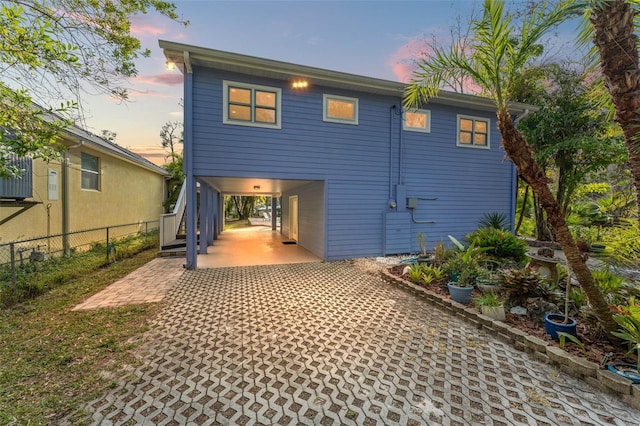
(141,27)
(403,60)
(165,79)
(176,114)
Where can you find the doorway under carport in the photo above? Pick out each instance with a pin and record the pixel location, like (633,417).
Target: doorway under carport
(256,245)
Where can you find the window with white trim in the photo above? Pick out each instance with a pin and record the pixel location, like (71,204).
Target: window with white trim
(473,131)
(251,105)
(90,172)
(339,109)
(417,120)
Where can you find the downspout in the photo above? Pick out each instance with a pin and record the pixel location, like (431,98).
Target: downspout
(66,188)
(391,111)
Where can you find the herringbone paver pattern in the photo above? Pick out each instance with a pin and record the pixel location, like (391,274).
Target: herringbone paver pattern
(327,344)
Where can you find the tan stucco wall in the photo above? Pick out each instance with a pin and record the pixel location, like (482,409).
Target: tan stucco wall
(128,193)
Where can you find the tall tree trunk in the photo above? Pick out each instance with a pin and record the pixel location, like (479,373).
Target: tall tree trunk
(520,153)
(617,45)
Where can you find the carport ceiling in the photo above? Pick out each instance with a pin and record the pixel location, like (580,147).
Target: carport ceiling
(252,186)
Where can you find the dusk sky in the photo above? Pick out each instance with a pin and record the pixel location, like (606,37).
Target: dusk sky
(372,38)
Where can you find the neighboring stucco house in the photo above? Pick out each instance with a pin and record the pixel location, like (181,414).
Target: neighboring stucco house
(103,185)
(357,175)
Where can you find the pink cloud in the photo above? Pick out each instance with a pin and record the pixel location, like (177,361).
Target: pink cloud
(141,27)
(173,79)
(403,60)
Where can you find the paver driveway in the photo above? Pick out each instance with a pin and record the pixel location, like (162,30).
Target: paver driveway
(327,343)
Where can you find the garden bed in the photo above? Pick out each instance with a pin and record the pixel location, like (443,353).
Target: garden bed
(595,343)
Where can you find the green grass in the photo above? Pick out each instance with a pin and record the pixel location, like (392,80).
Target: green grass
(39,278)
(53,360)
(237,224)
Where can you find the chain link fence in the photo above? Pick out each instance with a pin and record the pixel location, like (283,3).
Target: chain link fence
(22,255)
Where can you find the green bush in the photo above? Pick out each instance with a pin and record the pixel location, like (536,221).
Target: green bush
(504,243)
(623,244)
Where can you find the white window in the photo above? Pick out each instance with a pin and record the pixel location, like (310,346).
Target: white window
(90,169)
(417,120)
(340,109)
(251,105)
(473,131)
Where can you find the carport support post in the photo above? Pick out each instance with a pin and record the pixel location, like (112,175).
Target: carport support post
(204,221)
(274,219)
(211,217)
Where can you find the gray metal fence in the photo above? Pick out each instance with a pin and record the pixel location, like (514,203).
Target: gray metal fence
(18,255)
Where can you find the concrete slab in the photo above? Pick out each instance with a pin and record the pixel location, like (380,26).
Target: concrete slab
(256,245)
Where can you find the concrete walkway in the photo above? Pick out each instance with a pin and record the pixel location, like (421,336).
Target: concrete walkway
(330,344)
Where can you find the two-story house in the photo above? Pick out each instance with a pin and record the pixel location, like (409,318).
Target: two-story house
(357,174)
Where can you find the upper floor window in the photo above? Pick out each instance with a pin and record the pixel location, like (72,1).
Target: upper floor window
(90,171)
(473,131)
(251,105)
(417,120)
(340,109)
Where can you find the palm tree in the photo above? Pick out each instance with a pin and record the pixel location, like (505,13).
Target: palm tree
(497,58)
(614,37)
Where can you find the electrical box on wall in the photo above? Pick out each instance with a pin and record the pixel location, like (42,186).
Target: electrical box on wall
(412,203)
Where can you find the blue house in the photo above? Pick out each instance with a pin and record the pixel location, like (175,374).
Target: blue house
(357,175)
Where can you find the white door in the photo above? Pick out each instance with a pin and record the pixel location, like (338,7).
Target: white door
(293,217)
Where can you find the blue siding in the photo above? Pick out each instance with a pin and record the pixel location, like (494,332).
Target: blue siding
(311,220)
(360,166)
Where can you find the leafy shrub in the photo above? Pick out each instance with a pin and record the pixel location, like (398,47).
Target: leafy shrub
(494,220)
(504,243)
(520,284)
(623,244)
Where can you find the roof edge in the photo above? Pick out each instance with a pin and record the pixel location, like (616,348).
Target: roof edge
(175,52)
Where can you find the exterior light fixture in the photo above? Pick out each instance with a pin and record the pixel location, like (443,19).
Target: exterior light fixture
(300,84)
(170,65)
(256,187)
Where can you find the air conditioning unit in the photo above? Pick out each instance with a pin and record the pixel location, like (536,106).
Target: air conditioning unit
(21,187)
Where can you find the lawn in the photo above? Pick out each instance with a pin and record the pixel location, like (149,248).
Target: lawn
(53,360)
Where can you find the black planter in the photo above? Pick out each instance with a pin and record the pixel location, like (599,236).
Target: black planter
(552,327)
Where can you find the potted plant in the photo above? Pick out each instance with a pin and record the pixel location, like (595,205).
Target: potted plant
(629,331)
(423,256)
(554,323)
(491,305)
(463,266)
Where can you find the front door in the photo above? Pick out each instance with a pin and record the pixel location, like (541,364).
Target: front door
(293,217)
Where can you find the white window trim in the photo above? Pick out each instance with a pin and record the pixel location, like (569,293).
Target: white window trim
(426,129)
(471,145)
(225,105)
(325,106)
(95,172)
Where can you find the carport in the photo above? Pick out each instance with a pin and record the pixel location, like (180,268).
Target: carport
(300,238)
(257,245)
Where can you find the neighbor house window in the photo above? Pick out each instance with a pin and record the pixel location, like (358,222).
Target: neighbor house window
(340,109)
(473,131)
(251,105)
(90,169)
(418,120)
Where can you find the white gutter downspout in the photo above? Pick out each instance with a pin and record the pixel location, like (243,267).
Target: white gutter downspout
(65,199)
(524,115)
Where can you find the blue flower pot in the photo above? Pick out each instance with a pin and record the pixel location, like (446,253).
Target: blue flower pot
(553,327)
(628,371)
(459,294)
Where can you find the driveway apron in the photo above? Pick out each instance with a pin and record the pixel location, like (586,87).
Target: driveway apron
(330,344)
